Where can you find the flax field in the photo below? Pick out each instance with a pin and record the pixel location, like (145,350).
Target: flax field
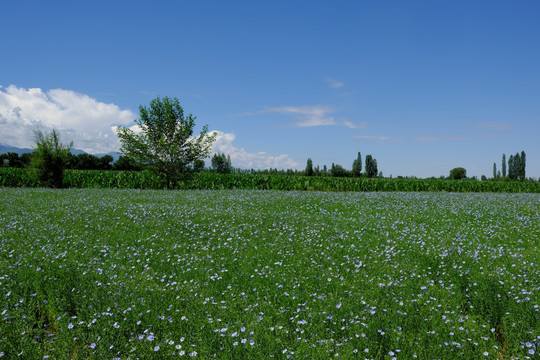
(252,274)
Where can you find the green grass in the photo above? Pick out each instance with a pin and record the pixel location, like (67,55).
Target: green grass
(232,274)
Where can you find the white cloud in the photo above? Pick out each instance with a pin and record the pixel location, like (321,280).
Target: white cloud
(78,117)
(334,84)
(352,125)
(243,159)
(308,115)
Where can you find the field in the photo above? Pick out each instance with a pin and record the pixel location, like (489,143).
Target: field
(207,180)
(246,274)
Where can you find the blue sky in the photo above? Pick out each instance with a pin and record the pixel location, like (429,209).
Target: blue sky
(422,86)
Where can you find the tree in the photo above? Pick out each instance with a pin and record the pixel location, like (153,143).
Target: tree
(371,167)
(337,171)
(494,170)
(458,173)
(511,168)
(222,163)
(504,165)
(522,167)
(309,167)
(357,166)
(198,165)
(50,158)
(165,142)
(14,160)
(125,163)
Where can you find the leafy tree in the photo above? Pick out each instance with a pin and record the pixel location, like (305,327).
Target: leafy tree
(14,160)
(222,163)
(458,173)
(511,168)
(50,158)
(87,162)
(494,170)
(338,171)
(309,168)
(165,141)
(126,163)
(357,166)
(104,162)
(503,165)
(198,165)
(371,167)
(522,166)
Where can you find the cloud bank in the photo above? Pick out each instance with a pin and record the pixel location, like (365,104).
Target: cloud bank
(78,117)
(243,159)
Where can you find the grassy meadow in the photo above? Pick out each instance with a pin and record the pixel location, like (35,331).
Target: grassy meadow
(248,274)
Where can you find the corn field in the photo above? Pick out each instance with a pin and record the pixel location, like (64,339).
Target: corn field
(14,177)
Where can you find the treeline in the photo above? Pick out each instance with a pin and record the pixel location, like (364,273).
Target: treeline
(516,167)
(74,162)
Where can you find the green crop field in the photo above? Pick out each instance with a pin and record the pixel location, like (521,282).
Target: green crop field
(247,274)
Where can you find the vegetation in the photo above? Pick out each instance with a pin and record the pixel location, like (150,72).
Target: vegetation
(458,173)
(165,140)
(309,168)
(253,275)
(221,163)
(50,159)
(15,177)
(357,166)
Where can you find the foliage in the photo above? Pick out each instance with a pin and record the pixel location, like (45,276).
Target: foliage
(309,168)
(221,163)
(50,158)
(371,167)
(357,166)
(90,162)
(338,171)
(165,141)
(458,173)
(503,165)
(126,163)
(14,177)
(198,165)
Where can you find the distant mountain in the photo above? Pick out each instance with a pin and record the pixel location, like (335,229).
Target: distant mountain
(4,149)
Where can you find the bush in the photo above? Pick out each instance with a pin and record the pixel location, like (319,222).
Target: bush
(50,159)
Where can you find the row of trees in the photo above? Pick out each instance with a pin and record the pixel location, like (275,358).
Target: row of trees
(337,170)
(516,167)
(77,162)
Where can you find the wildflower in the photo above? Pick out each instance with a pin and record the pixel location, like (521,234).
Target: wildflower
(70,326)
(156,348)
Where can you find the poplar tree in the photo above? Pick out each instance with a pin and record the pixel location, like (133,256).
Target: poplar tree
(309,167)
(504,165)
(357,166)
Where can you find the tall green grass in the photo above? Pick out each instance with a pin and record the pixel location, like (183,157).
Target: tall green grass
(12,177)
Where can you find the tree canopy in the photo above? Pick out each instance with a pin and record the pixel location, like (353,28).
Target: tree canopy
(165,141)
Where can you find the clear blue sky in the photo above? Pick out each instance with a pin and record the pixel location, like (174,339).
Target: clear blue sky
(422,86)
